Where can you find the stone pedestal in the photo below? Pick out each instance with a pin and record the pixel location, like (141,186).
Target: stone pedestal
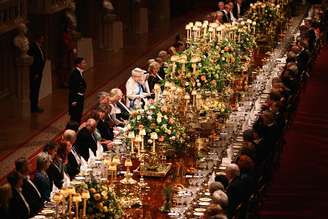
(23,64)
(111,34)
(85,50)
(46,83)
(142,21)
(160,11)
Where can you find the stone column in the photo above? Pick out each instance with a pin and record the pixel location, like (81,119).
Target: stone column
(142,20)
(23,64)
(111,33)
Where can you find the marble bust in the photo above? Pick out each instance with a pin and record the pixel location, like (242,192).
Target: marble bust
(21,41)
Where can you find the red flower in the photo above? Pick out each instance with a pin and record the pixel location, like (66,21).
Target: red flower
(161,138)
(203,78)
(171,121)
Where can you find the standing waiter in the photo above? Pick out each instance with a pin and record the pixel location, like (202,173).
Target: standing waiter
(36,70)
(77,88)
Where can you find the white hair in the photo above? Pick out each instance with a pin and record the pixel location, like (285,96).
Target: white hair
(219,197)
(232,171)
(153,65)
(114,92)
(69,135)
(214,186)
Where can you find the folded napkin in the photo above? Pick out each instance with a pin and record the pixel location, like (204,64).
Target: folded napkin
(100,151)
(84,165)
(54,190)
(67,181)
(92,158)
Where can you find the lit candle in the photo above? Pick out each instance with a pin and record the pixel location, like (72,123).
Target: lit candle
(154,137)
(131,136)
(194,93)
(198,98)
(85,196)
(116,161)
(142,133)
(70,192)
(139,140)
(187,98)
(77,199)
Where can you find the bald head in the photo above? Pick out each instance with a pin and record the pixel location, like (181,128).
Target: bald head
(69,135)
(116,94)
(232,171)
(91,125)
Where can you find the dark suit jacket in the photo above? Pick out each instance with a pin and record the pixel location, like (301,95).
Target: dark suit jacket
(72,166)
(124,115)
(84,141)
(226,17)
(42,182)
(38,60)
(105,130)
(239,190)
(152,80)
(76,84)
(235,10)
(56,173)
(32,197)
(18,209)
(161,72)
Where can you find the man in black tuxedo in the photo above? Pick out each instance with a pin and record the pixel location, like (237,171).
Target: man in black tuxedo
(73,158)
(86,139)
(18,205)
(238,9)
(29,190)
(36,70)
(77,87)
(226,14)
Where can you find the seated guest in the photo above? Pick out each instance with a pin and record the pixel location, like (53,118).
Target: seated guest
(51,149)
(56,169)
(86,139)
(73,158)
(214,186)
(72,125)
(212,210)
(29,190)
(135,92)
(220,198)
(235,189)
(103,126)
(227,15)
(222,178)
(219,17)
(221,5)
(247,175)
(102,98)
(162,59)
(18,205)
(122,113)
(154,77)
(238,9)
(5,196)
(162,67)
(233,18)
(41,179)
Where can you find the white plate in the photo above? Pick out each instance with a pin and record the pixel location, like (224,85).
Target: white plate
(198,213)
(200,209)
(47,211)
(205,199)
(204,203)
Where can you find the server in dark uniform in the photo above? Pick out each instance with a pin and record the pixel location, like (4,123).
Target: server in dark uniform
(36,70)
(77,87)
